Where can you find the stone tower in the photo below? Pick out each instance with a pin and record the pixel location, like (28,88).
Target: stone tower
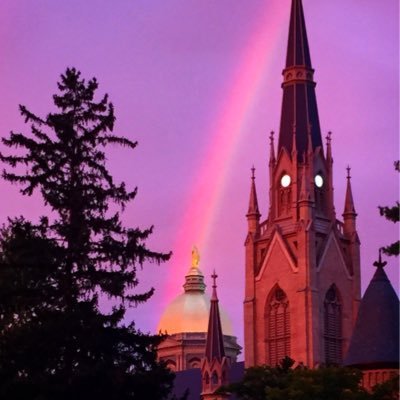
(215,365)
(302,288)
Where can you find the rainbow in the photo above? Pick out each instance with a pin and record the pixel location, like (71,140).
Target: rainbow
(204,202)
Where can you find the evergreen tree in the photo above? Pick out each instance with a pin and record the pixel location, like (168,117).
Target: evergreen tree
(392,214)
(56,272)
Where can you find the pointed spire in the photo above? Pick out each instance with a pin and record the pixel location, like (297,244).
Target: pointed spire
(253,210)
(299,105)
(349,210)
(375,340)
(329,148)
(215,340)
(271,149)
(298,52)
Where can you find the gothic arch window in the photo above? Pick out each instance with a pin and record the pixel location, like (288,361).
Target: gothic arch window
(207,378)
(277,326)
(333,326)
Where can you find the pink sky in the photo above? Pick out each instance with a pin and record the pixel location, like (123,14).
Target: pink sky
(197,83)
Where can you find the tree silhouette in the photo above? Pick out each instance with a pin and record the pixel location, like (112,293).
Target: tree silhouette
(284,382)
(55,341)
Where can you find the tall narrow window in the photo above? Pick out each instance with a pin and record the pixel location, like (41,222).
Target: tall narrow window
(333,327)
(278,326)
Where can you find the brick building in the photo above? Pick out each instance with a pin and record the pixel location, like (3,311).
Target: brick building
(302,264)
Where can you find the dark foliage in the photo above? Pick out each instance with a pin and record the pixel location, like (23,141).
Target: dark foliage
(287,383)
(55,342)
(388,390)
(392,214)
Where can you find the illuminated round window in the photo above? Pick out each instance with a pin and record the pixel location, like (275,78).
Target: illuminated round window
(285,180)
(318,181)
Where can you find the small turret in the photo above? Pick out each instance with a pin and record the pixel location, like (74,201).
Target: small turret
(272,159)
(215,365)
(329,164)
(349,213)
(253,214)
(374,345)
(329,158)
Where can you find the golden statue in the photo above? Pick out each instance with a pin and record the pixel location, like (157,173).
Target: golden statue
(195,257)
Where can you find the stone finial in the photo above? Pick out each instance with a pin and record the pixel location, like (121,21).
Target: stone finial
(380,263)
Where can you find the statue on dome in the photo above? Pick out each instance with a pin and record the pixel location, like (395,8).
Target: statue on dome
(195,257)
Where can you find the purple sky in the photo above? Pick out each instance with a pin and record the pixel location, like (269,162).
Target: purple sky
(171,68)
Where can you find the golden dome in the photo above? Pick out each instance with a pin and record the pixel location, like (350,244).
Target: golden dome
(189,312)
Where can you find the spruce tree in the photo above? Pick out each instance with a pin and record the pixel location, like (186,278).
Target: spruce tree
(392,214)
(57,271)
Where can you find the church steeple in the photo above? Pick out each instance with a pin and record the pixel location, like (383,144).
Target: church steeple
(215,341)
(253,214)
(215,365)
(349,209)
(299,104)
(301,248)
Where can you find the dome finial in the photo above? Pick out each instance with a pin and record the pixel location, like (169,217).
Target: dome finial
(195,257)
(194,280)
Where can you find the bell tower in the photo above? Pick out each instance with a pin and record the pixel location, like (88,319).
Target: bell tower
(302,287)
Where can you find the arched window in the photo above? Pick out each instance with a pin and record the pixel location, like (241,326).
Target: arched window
(207,378)
(171,364)
(194,362)
(278,326)
(333,326)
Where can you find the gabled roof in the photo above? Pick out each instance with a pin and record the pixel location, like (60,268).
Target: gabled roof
(375,340)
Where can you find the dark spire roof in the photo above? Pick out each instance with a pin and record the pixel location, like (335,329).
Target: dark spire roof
(299,105)
(298,52)
(375,339)
(349,202)
(253,202)
(215,340)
